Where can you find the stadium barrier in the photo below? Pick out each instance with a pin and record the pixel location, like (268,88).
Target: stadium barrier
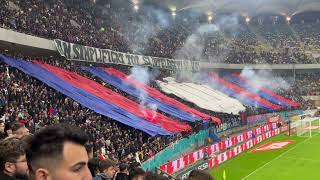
(175,150)
(183,162)
(180,146)
(224,156)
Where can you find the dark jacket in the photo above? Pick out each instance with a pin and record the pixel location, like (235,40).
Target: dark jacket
(101,177)
(6,177)
(122,176)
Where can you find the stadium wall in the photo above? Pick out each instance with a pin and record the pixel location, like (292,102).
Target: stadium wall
(10,36)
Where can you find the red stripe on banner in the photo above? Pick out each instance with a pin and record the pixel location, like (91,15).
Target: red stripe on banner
(116,99)
(243,92)
(267,91)
(158,95)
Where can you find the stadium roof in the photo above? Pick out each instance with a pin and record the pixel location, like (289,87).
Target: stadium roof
(244,7)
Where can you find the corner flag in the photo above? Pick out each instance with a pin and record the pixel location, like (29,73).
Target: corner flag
(224,175)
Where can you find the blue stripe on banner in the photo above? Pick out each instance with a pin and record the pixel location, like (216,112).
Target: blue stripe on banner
(247,101)
(254,90)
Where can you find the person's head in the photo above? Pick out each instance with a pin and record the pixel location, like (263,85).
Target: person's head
(199,175)
(13,158)
(107,167)
(58,152)
(124,168)
(19,130)
(137,174)
(134,166)
(93,165)
(89,149)
(7,129)
(152,176)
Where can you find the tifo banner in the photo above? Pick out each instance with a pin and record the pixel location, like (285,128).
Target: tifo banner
(190,159)
(90,54)
(224,156)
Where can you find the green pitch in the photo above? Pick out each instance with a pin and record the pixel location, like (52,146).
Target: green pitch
(300,160)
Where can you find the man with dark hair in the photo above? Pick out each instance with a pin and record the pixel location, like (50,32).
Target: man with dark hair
(124,172)
(137,174)
(199,175)
(58,152)
(107,170)
(93,165)
(8,129)
(152,176)
(89,149)
(19,130)
(13,163)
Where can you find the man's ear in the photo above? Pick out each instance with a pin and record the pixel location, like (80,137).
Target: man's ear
(9,167)
(42,174)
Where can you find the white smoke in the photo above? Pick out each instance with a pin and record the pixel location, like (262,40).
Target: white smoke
(195,43)
(194,46)
(143,75)
(265,79)
(141,30)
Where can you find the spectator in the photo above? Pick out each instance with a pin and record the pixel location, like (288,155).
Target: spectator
(13,163)
(89,149)
(94,166)
(107,170)
(57,152)
(8,129)
(124,172)
(19,130)
(199,175)
(152,176)
(137,174)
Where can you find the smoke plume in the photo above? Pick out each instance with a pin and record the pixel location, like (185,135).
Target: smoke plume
(265,79)
(145,76)
(140,31)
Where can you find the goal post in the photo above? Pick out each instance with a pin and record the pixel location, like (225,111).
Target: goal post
(306,127)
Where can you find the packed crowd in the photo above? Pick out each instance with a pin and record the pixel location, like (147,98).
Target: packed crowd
(102,26)
(305,84)
(27,106)
(31,102)
(34,105)
(308,84)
